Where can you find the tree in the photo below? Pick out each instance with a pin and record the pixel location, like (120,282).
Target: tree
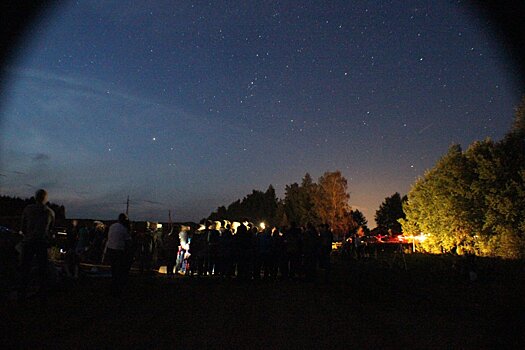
(359,219)
(518,127)
(331,202)
(257,206)
(474,201)
(390,211)
(439,204)
(299,202)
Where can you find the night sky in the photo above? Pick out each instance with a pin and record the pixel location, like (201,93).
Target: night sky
(191,106)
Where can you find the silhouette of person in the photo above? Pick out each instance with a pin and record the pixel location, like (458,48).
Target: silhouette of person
(244,243)
(264,253)
(198,252)
(278,254)
(37,221)
(118,247)
(311,247)
(294,249)
(171,245)
(213,246)
(225,252)
(72,259)
(327,237)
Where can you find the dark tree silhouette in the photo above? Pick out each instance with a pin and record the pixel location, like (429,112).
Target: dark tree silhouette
(11,209)
(257,206)
(390,211)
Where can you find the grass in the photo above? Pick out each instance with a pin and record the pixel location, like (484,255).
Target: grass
(371,304)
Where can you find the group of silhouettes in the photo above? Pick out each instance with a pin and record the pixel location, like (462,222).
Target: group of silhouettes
(230,250)
(246,251)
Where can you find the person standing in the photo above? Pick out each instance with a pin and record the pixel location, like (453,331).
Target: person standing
(97,244)
(294,249)
(37,221)
(327,237)
(83,242)
(171,246)
(213,246)
(183,250)
(281,252)
(118,247)
(71,260)
(311,246)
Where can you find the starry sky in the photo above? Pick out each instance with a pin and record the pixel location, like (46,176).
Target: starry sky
(190,105)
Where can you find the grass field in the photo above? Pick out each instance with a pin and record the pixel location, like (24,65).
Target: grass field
(372,304)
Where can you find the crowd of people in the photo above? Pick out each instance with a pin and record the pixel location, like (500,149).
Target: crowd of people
(239,250)
(247,251)
(84,243)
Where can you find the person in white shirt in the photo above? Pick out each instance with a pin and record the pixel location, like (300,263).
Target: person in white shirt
(118,251)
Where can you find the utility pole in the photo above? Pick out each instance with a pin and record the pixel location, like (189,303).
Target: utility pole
(127,206)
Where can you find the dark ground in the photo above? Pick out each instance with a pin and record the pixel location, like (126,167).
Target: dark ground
(366,305)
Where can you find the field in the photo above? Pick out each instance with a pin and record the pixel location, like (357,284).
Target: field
(369,304)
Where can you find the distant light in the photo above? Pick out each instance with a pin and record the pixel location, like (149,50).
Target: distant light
(262,225)
(159,226)
(154,139)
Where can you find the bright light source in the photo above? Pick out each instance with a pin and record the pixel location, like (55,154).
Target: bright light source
(235,225)
(421,237)
(159,226)
(262,225)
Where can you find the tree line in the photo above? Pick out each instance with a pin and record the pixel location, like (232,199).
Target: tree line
(323,202)
(471,201)
(12,207)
